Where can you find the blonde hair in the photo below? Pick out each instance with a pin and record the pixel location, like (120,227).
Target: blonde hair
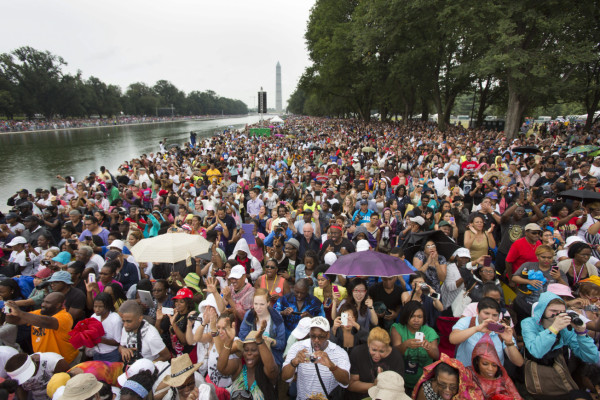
(378,334)
(544,248)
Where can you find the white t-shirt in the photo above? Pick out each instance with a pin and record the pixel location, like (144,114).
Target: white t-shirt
(152,343)
(113,326)
(207,353)
(21,259)
(308,381)
(38,382)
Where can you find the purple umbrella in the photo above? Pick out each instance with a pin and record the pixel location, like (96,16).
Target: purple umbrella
(369,263)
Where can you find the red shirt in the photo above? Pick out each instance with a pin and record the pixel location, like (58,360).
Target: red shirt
(469,165)
(521,252)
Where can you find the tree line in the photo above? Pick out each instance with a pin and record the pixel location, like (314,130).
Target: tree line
(404,58)
(33,82)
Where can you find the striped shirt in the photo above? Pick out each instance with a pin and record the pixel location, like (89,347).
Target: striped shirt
(308,380)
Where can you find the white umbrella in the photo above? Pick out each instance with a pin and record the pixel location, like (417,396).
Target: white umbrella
(170,248)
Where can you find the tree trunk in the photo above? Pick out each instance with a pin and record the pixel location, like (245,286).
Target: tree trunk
(424,109)
(514,112)
(590,114)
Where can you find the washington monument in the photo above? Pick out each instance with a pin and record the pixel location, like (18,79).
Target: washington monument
(278,106)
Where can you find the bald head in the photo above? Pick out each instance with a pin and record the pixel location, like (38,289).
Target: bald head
(308,231)
(52,303)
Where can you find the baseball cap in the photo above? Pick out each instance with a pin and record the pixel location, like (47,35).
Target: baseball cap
(418,220)
(140,365)
(443,223)
(61,276)
(319,322)
(532,227)
(43,273)
(302,329)
(111,255)
(462,252)
(362,245)
(237,272)
(116,244)
(17,240)
(11,216)
(184,293)
(364,202)
(330,258)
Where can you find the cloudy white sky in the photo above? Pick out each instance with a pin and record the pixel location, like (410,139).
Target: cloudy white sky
(228,46)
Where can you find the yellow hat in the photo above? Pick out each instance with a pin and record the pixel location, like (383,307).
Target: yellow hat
(55,382)
(593,279)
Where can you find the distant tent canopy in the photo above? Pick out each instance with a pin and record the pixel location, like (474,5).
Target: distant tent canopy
(276,120)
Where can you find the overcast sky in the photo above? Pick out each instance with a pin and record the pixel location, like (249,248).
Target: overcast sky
(228,46)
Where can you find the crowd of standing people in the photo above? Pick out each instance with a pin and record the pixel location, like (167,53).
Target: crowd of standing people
(502,301)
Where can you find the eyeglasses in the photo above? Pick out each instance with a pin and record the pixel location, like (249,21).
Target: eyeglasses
(430,245)
(319,337)
(535,232)
(444,386)
(270,266)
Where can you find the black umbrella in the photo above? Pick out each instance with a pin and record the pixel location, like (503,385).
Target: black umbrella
(580,194)
(526,149)
(416,242)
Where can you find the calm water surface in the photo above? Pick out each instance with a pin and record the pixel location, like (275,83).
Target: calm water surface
(33,159)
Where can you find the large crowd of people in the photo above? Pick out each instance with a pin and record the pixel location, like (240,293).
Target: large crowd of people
(502,301)
(25,125)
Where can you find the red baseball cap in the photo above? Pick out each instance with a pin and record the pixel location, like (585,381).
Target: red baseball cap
(184,293)
(43,273)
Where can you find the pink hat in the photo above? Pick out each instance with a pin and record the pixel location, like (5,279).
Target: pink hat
(560,289)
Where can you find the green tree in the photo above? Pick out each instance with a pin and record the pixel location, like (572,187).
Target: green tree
(535,50)
(36,77)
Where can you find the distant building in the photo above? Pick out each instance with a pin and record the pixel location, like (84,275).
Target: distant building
(278,103)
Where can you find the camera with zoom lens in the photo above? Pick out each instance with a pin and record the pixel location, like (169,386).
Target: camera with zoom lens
(575,318)
(195,317)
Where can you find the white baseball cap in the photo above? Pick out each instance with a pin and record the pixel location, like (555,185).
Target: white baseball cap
(302,329)
(362,245)
(140,365)
(462,252)
(330,258)
(319,322)
(17,240)
(418,219)
(237,272)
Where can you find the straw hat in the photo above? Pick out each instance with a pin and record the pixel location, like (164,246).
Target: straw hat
(181,369)
(251,338)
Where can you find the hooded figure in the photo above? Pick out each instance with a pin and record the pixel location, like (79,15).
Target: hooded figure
(467,389)
(363,229)
(500,387)
(241,254)
(539,340)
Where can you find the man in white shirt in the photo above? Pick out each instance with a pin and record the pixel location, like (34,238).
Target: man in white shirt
(440,182)
(19,255)
(317,353)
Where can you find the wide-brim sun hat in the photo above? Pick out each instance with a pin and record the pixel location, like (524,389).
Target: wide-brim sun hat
(181,369)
